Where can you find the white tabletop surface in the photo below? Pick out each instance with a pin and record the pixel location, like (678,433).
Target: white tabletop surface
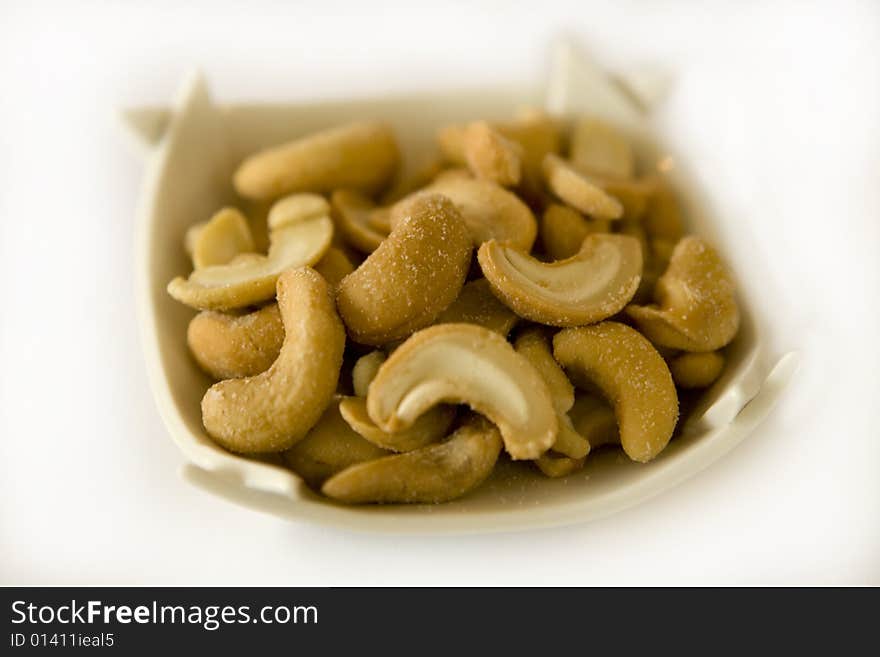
(778,104)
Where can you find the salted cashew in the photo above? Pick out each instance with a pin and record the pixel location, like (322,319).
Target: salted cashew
(631,375)
(271,411)
(696,370)
(247,281)
(663,217)
(411,278)
(489,210)
(590,286)
(258,221)
(634,194)
(365,370)
(428,428)
(578,190)
(409,181)
(598,146)
(695,305)
(432,474)
(563,230)
(361,156)
(334,266)
(233,346)
(329,447)
(491,155)
(534,346)
(351,213)
(554,465)
(220,239)
(593,418)
(466,364)
(296,208)
(477,305)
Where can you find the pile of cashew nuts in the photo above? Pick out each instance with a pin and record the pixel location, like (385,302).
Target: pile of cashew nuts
(352,333)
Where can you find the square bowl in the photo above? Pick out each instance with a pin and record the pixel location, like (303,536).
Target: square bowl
(193,148)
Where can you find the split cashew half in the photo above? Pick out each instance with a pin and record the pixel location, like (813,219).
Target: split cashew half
(477,305)
(564,229)
(249,278)
(599,147)
(411,278)
(490,155)
(430,475)
(466,364)
(590,286)
(220,239)
(696,370)
(351,214)
(578,190)
(631,375)
(361,156)
(695,309)
(428,428)
(273,410)
(365,370)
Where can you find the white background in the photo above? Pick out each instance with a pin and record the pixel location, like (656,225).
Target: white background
(778,106)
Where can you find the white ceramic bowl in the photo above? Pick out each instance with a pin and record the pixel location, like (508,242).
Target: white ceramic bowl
(193,149)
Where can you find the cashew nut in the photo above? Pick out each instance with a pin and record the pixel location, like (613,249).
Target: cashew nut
(329,447)
(428,428)
(554,465)
(533,345)
(271,411)
(492,156)
(351,212)
(467,364)
(220,239)
(408,182)
(477,305)
(588,287)
(663,216)
(593,418)
(563,230)
(296,208)
(631,375)
(696,370)
(361,156)
(251,280)
(490,211)
(334,266)
(578,190)
(432,474)
(599,147)
(695,305)
(411,278)
(364,371)
(233,346)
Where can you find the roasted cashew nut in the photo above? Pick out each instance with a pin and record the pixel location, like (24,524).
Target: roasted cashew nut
(465,364)
(351,212)
(411,278)
(477,305)
(247,281)
(365,370)
(598,146)
(632,376)
(428,428)
(361,156)
(554,465)
(489,210)
(220,239)
(296,208)
(334,266)
(564,229)
(578,190)
(233,346)
(590,286)
(696,370)
(492,156)
(273,410)
(433,474)
(593,418)
(695,309)
(329,447)
(663,217)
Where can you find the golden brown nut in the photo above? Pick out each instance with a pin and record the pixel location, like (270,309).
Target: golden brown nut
(220,239)
(594,419)
(634,195)
(411,278)
(428,428)
(364,371)
(296,208)
(329,447)
(351,215)
(588,287)
(409,181)
(334,266)
(492,156)
(432,474)
(599,147)
(696,370)
(695,305)
(490,211)
(578,190)
(631,375)
(361,156)
(271,411)
(554,465)
(477,305)
(563,230)
(250,279)
(465,364)
(233,346)
(663,217)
